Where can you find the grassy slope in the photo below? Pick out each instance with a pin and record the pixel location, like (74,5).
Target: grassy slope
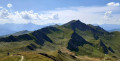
(60,40)
(28,56)
(110,40)
(114,42)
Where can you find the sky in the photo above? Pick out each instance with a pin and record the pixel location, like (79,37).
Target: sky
(43,12)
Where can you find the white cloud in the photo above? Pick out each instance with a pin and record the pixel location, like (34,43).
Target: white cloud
(30,15)
(108,14)
(9,5)
(24,17)
(89,15)
(1,7)
(48,16)
(113,4)
(4,13)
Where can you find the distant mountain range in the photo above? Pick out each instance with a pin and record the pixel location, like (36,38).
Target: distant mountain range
(6,29)
(114,30)
(17,33)
(110,27)
(73,41)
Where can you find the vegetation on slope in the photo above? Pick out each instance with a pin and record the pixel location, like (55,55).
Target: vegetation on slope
(62,43)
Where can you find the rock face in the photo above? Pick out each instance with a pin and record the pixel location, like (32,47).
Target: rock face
(76,41)
(104,47)
(31,46)
(39,36)
(77,24)
(16,38)
(110,49)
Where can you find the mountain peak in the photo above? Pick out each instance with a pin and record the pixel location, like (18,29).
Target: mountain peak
(76,24)
(73,21)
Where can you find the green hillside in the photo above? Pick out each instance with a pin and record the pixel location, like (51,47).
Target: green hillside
(73,41)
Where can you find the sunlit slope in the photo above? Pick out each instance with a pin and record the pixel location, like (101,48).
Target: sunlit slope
(69,41)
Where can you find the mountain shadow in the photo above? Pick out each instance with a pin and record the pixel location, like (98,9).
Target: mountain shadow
(76,41)
(105,48)
(77,24)
(40,36)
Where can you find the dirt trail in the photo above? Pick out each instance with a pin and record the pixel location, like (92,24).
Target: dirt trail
(22,58)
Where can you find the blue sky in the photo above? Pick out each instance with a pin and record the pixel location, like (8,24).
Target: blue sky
(41,5)
(47,12)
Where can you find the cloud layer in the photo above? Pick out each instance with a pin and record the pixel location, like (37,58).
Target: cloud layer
(108,14)
(91,15)
(25,17)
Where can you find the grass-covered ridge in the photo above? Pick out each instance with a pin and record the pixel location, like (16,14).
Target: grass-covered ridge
(72,41)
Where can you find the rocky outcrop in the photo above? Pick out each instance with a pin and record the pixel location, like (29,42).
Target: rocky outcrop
(40,36)
(110,49)
(76,41)
(105,49)
(77,24)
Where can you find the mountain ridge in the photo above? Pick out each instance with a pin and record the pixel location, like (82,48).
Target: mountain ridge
(74,36)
